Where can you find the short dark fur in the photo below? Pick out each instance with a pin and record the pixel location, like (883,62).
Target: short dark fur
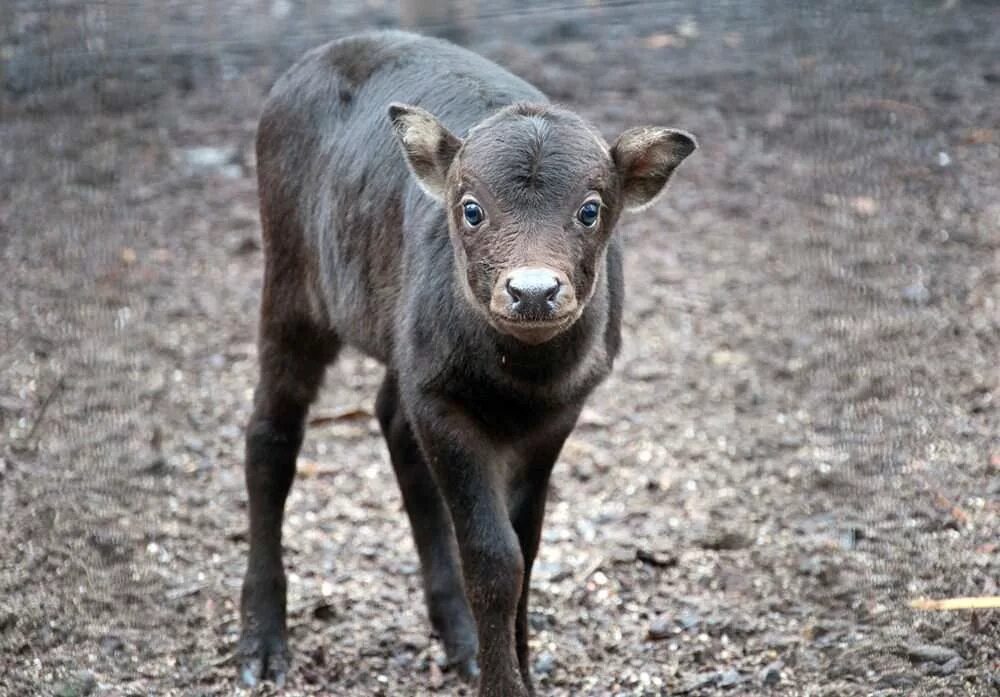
(474,415)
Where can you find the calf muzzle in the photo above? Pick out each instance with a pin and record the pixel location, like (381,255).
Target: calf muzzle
(533,304)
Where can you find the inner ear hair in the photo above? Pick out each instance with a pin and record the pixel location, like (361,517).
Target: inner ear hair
(646,157)
(428,146)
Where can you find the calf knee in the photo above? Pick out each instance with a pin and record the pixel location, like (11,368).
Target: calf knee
(494,574)
(266,436)
(271,451)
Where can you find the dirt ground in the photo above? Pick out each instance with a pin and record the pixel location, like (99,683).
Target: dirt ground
(801,436)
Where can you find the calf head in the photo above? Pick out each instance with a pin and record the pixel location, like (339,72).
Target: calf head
(532,196)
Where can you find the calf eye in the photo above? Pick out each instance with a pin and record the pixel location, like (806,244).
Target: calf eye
(473,213)
(589,213)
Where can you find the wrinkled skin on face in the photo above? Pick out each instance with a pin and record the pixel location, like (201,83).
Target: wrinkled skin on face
(532,196)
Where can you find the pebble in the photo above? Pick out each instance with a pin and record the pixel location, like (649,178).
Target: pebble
(659,628)
(689,620)
(545,663)
(81,684)
(930,653)
(730,678)
(699,681)
(946,668)
(916,294)
(647,371)
(656,558)
(211,160)
(724,540)
(111,644)
(896,680)
(771,673)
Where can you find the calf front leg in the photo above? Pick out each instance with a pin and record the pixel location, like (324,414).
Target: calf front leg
(526,516)
(469,474)
(432,531)
(527,510)
(293,357)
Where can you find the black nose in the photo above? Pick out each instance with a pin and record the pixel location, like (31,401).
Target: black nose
(534,292)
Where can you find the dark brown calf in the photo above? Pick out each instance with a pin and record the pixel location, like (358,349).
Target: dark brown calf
(472,252)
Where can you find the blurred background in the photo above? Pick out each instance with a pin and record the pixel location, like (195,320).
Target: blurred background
(800,437)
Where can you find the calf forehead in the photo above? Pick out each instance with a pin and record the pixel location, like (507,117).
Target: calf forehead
(525,157)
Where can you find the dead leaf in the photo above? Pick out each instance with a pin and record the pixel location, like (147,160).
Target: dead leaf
(978,136)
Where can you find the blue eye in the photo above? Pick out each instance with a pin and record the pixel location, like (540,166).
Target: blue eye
(473,213)
(588,213)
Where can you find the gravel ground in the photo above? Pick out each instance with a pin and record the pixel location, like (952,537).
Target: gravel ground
(800,437)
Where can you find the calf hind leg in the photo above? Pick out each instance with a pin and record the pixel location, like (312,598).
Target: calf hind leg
(433,533)
(293,357)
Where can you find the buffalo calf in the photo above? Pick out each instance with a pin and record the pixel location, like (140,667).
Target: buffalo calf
(437,213)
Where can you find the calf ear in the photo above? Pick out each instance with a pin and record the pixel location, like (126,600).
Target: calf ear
(645,158)
(429,147)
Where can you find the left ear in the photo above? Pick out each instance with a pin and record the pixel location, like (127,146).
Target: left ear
(645,158)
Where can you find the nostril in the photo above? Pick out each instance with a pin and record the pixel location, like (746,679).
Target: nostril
(514,292)
(554,290)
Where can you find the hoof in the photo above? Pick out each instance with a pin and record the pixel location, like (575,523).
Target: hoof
(467,668)
(262,659)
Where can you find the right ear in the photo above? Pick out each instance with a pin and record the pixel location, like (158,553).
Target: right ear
(429,147)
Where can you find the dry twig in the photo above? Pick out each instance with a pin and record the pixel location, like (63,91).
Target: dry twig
(980,603)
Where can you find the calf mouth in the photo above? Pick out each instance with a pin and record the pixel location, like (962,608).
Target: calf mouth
(533,331)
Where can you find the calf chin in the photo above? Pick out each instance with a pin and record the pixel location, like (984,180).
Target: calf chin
(534,333)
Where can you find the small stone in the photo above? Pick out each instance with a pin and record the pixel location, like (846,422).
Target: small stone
(771,673)
(700,680)
(81,684)
(647,371)
(545,663)
(194,444)
(659,629)
(112,644)
(247,245)
(730,678)
(689,620)
(864,206)
(946,668)
(688,28)
(211,160)
(725,357)
(724,540)
(916,294)
(592,417)
(896,680)
(206,157)
(655,558)
(930,653)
